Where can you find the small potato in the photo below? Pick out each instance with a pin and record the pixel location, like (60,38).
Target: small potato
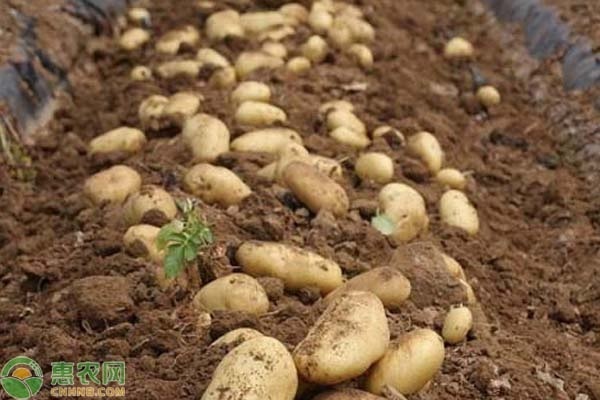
(211,58)
(340,34)
(233,292)
(362,55)
(488,96)
(141,73)
(223,78)
(385,130)
(254,23)
(377,167)
(296,267)
(139,15)
(275,49)
(298,65)
(255,113)
(349,137)
(295,11)
(215,185)
(333,105)
(237,336)
(319,19)
(338,118)
(276,34)
(258,369)
(362,31)
(388,284)
(152,205)
(458,48)
(406,207)
(347,394)
(125,139)
(315,190)
(269,140)
(251,91)
(181,106)
(315,49)
(171,41)
(456,210)
(171,69)
(457,325)
(425,146)
(409,363)
(151,110)
(133,39)
(454,268)
(350,335)
(452,178)
(250,61)
(223,24)
(140,241)
(112,185)
(206,136)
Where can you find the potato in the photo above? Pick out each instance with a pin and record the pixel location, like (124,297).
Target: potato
(289,153)
(215,185)
(181,106)
(223,24)
(315,49)
(298,65)
(349,137)
(340,34)
(338,118)
(409,363)
(254,23)
(140,241)
(388,284)
(425,146)
(237,336)
(458,48)
(251,91)
(151,110)
(141,73)
(258,369)
(347,394)
(361,30)
(377,167)
(333,105)
(152,205)
(296,267)
(268,171)
(171,41)
(223,78)
(125,139)
(385,130)
(171,69)
(406,207)
(362,55)
(452,178)
(453,266)
(112,185)
(456,210)
(350,335)
(269,140)
(276,34)
(255,113)
(319,19)
(488,96)
(457,325)
(212,58)
(315,190)
(133,39)
(328,166)
(250,61)
(206,136)
(233,292)
(139,15)
(295,11)
(275,49)
(469,292)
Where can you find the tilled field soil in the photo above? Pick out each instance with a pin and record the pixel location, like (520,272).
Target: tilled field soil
(534,265)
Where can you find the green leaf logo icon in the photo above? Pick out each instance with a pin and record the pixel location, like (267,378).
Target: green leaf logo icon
(21,378)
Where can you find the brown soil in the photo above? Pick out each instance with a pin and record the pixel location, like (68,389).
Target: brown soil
(68,291)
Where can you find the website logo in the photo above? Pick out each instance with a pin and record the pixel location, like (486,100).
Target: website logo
(21,378)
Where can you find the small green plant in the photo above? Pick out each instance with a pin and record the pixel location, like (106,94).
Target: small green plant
(183,239)
(383,224)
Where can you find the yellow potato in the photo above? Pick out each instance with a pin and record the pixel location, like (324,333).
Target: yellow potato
(276,34)
(211,58)
(388,284)
(350,335)
(134,38)
(289,153)
(315,49)
(333,105)
(251,91)
(125,139)
(315,190)
(347,394)
(319,19)
(251,61)
(254,23)
(456,210)
(385,129)
(298,65)
(340,34)
(347,136)
(295,11)
(223,78)
(275,49)
(425,146)
(361,30)
(377,167)
(256,113)
(457,325)
(171,69)
(269,140)
(140,241)
(362,55)
(138,15)
(171,41)
(258,369)
(409,363)
(488,96)
(215,185)
(151,110)
(452,178)
(206,136)
(112,185)
(458,48)
(181,106)
(296,267)
(223,24)
(233,292)
(152,204)
(406,207)
(237,336)
(469,292)
(328,166)
(343,118)
(454,268)
(141,73)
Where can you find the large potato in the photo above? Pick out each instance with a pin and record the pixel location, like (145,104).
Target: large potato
(234,292)
(350,335)
(258,369)
(269,140)
(389,284)
(223,24)
(124,138)
(425,146)
(251,91)
(251,61)
(347,394)
(456,210)
(112,185)
(296,267)
(256,113)
(152,205)
(237,336)
(215,185)
(409,363)
(406,207)
(206,136)
(377,167)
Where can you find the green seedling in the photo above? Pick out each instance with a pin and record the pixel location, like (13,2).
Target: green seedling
(383,224)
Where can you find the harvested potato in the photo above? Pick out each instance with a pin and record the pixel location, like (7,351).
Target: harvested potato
(251,91)
(275,49)
(469,292)
(458,48)
(457,325)
(296,267)
(151,110)
(141,73)
(385,130)
(339,117)
(347,394)
(215,185)
(112,185)
(298,65)
(269,140)
(340,34)
(456,210)
(347,136)
(362,55)
(488,96)
(409,363)
(314,189)
(139,15)
(377,167)
(140,241)
(125,139)
(171,69)
(152,205)
(406,207)
(315,49)
(295,11)
(211,58)
(361,30)
(181,106)
(133,39)
(223,24)
(454,268)
(350,335)
(388,284)
(452,178)
(233,292)
(237,336)
(255,113)
(328,166)
(258,369)
(223,78)
(250,61)
(254,23)
(171,41)
(334,105)
(319,19)
(206,136)
(425,146)
(289,153)
(276,34)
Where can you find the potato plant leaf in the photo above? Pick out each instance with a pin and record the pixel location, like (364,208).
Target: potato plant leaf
(383,224)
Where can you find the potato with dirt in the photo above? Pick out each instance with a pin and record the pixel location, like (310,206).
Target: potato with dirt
(350,335)
(215,185)
(206,136)
(457,324)
(175,68)
(250,61)
(349,137)
(181,106)
(315,49)
(426,147)
(233,292)
(342,118)
(251,91)
(268,140)
(171,42)
(296,267)
(406,208)
(140,241)
(125,139)
(258,369)
(258,22)
(113,185)
(456,210)
(224,24)
(151,204)
(256,113)
(151,110)
(211,58)
(376,167)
